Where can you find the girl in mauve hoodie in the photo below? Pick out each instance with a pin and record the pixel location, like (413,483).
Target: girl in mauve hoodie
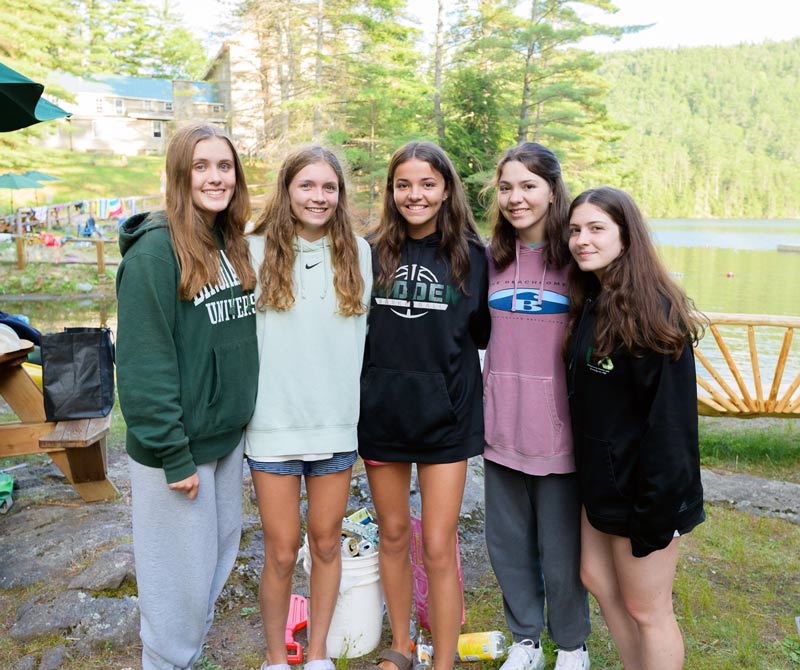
(532,501)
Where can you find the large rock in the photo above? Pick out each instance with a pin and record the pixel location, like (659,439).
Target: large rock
(764,497)
(109,570)
(53,658)
(48,540)
(94,622)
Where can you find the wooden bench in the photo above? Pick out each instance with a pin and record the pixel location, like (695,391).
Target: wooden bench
(78,447)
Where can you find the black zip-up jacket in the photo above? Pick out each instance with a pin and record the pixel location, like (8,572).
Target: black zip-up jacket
(421,389)
(634,421)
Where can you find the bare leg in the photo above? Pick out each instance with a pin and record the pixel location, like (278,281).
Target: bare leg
(389,486)
(646,587)
(278,499)
(599,575)
(442,488)
(327,503)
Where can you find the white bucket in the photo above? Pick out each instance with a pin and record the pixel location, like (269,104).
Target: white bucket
(357,621)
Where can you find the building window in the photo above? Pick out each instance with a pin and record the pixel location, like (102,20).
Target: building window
(119,106)
(98,105)
(216,108)
(157,130)
(95,129)
(168,106)
(148,105)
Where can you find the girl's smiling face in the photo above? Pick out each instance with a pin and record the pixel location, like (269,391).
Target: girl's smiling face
(524,199)
(314,195)
(595,239)
(213,177)
(419,192)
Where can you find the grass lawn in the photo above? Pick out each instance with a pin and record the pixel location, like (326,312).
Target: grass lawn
(87,176)
(736,594)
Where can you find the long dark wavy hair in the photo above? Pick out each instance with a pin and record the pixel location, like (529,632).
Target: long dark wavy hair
(277,225)
(193,240)
(454,220)
(639,306)
(543,162)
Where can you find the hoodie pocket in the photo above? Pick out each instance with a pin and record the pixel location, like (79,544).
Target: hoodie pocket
(603,481)
(232,392)
(520,413)
(402,406)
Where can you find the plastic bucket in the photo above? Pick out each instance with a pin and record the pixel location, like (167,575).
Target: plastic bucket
(357,621)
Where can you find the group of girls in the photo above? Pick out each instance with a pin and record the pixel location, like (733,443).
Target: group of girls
(303,346)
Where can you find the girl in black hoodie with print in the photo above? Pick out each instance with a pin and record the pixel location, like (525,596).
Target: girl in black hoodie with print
(421,390)
(633,401)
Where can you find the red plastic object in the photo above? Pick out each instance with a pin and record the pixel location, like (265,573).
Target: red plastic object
(297,619)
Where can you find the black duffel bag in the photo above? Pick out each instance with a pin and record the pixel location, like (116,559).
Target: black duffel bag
(78,373)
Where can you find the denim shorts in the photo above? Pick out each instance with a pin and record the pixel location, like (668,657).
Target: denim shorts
(327,466)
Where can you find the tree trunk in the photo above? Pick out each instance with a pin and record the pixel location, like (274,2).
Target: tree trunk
(437,76)
(316,128)
(522,131)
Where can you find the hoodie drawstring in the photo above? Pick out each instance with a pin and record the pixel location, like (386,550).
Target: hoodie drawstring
(541,287)
(516,276)
(540,297)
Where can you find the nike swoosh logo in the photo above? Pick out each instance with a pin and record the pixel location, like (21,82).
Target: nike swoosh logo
(308,267)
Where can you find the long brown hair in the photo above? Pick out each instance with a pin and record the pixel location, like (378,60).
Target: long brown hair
(543,162)
(454,220)
(277,225)
(193,240)
(639,306)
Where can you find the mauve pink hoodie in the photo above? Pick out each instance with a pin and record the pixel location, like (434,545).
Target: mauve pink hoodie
(526,413)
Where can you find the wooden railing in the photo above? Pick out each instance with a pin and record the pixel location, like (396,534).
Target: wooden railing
(745,398)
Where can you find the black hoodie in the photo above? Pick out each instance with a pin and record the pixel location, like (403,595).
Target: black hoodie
(634,422)
(421,389)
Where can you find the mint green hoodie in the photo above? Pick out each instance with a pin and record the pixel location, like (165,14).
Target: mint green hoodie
(187,370)
(310,359)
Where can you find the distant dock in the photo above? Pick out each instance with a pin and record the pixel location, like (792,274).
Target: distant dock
(789,248)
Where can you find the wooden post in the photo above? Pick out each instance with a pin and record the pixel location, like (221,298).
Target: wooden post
(101,261)
(20,241)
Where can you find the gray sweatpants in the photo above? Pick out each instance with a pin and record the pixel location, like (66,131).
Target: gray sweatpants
(184,551)
(534,542)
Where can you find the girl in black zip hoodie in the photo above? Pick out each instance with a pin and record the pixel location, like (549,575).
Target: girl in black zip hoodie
(421,390)
(633,401)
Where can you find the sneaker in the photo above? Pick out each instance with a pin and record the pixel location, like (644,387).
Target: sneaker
(577,659)
(525,655)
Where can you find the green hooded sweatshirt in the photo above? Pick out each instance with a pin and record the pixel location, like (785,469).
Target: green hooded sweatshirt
(187,370)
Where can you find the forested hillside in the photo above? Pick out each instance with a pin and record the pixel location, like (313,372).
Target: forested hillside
(710,131)
(691,132)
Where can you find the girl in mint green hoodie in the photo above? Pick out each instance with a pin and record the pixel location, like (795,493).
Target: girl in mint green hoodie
(315,280)
(186,371)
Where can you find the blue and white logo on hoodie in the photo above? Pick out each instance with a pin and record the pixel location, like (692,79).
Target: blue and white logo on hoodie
(527,301)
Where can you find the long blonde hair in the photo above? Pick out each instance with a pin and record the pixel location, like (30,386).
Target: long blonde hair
(193,240)
(277,225)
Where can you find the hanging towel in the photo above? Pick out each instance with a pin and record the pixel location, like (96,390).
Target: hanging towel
(115,207)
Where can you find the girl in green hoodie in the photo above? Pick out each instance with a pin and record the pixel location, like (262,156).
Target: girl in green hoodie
(187,369)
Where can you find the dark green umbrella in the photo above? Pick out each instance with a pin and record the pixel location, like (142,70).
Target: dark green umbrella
(40,176)
(13,182)
(21,102)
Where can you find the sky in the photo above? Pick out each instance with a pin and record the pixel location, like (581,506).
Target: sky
(676,22)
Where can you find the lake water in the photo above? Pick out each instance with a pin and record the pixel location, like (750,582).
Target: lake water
(728,266)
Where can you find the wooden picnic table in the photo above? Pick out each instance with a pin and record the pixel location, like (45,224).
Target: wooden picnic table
(77,447)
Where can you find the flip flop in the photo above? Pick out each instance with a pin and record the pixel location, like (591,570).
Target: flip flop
(402,662)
